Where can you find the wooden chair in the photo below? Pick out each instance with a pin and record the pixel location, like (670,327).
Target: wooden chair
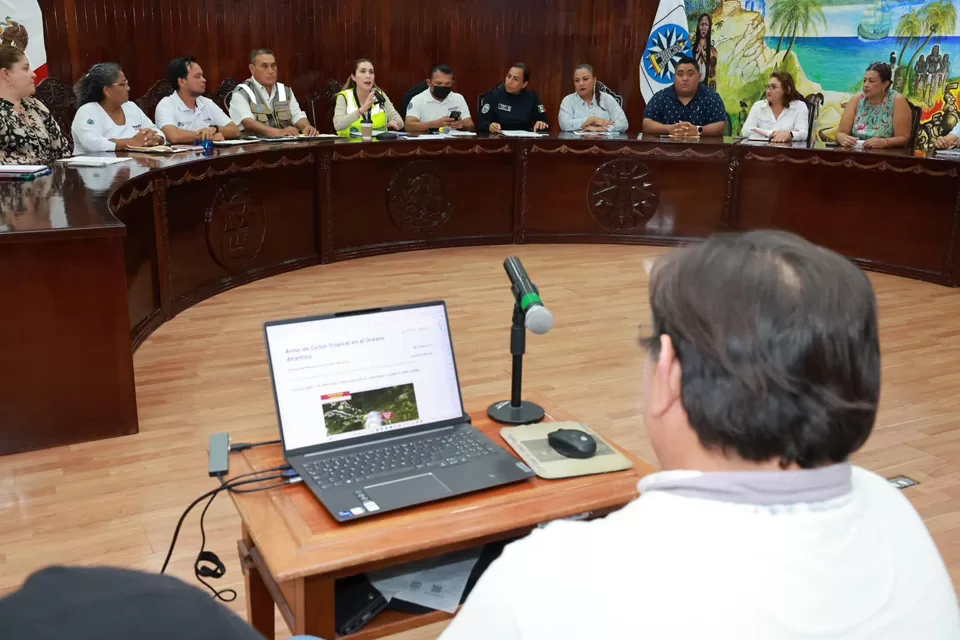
(61,101)
(610,92)
(321,103)
(148,101)
(222,95)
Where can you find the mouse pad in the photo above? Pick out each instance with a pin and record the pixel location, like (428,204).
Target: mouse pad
(530,443)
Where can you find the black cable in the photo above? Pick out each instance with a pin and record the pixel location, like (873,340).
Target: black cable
(223,593)
(243,446)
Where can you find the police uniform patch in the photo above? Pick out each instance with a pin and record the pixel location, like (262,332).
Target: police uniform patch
(486,108)
(90,121)
(541,109)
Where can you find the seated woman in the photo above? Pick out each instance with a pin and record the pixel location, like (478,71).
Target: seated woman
(106,119)
(28,133)
(512,107)
(361,100)
(879,116)
(782,116)
(589,109)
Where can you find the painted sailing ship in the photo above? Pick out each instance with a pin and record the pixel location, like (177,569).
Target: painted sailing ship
(875,23)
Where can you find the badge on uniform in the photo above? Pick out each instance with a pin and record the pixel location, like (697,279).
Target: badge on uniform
(90,121)
(541,109)
(486,108)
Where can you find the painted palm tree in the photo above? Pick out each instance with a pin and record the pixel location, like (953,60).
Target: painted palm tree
(795,17)
(939,19)
(909,28)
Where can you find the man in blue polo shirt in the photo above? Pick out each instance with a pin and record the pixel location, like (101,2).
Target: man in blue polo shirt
(688,108)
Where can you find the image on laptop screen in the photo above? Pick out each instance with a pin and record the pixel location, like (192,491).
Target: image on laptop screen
(343,377)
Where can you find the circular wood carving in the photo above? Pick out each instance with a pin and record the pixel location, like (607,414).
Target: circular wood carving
(622,194)
(417,198)
(236,226)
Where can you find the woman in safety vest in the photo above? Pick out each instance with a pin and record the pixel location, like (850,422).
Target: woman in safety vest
(362,100)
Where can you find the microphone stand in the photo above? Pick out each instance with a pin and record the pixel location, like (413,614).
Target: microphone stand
(516,411)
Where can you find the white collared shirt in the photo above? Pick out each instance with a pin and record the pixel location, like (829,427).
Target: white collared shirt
(240,105)
(93,128)
(574,111)
(858,566)
(425,108)
(172,111)
(795,119)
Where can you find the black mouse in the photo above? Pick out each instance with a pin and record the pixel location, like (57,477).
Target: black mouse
(572,443)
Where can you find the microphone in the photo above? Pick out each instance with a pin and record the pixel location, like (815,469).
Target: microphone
(379,97)
(537,317)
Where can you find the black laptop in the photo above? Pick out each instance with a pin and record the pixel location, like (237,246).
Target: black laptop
(371,414)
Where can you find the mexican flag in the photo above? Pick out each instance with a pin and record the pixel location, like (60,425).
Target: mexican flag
(21,25)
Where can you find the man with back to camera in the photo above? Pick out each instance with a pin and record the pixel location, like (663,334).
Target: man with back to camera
(186,116)
(511,107)
(264,107)
(438,106)
(688,109)
(763,376)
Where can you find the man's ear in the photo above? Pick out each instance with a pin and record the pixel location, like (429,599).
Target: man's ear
(667,379)
(252,67)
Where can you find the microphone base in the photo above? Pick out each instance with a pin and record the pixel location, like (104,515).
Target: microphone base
(505,413)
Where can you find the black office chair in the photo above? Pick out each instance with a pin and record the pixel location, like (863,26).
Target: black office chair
(408,96)
(610,92)
(916,113)
(813,110)
(484,98)
(727,124)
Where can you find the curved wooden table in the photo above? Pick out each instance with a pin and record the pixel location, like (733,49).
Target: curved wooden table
(95,259)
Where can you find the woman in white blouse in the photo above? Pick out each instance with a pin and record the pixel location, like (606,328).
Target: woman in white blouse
(106,119)
(782,116)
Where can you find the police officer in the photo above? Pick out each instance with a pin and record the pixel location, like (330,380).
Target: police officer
(512,107)
(265,107)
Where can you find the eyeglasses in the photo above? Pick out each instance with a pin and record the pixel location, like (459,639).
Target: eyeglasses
(125,84)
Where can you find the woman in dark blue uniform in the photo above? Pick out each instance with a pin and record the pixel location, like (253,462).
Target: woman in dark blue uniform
(511,107)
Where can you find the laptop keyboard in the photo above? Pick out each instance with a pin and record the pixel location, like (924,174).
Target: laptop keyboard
(426,453)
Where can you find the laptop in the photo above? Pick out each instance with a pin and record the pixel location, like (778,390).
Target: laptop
(371,414)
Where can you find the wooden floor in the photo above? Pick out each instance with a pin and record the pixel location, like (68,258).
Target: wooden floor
(116,502)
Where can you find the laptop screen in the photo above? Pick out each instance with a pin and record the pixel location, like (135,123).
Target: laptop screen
(343,377)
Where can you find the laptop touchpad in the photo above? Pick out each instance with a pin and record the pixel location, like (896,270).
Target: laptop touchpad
(408,491)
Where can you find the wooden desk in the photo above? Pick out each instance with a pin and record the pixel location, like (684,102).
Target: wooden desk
(99,258)
(292,550)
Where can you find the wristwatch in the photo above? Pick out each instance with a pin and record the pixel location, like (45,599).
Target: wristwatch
(699,130)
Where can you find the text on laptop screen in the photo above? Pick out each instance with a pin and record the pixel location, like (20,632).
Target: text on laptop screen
(339,378)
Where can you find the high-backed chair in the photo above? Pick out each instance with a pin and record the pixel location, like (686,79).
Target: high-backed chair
(148,101)
(61,101)
(483,99)
(813,110)
(607,90)
(408,96)
(916,113)
(222,95)
(321,104)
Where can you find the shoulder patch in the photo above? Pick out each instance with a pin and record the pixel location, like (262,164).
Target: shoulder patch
(89,120)
(541,109)
(486,108)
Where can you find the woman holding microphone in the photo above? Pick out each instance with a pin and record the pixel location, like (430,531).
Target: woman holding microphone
(361,100)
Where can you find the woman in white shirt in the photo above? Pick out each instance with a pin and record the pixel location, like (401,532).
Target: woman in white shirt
(106,119)
(590,109)
(783,116)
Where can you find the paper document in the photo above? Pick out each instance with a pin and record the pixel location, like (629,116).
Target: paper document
(596,133)
(92,161)
(22,168)
(230,143)
(457,133)
(428,136)
(177,148)
(437,583)
(521,134)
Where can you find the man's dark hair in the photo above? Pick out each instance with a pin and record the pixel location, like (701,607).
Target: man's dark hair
(523,67)
(687,60)
(777,340)
(441,68)
(178,70)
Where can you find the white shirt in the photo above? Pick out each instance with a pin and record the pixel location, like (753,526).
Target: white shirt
(93,129)
(425,108)
(240,104)
(670,566)
(172,111)
(794,118)
(574,111)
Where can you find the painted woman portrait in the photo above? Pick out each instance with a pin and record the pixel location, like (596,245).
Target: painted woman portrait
(704,52)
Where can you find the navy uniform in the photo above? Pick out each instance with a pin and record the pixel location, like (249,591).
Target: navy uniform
(513,112)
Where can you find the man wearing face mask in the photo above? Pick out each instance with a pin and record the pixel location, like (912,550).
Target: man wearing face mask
(438,106)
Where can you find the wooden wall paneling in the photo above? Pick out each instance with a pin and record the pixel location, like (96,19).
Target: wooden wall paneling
(317,40)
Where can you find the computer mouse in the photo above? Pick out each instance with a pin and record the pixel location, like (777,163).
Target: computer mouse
(572,443)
